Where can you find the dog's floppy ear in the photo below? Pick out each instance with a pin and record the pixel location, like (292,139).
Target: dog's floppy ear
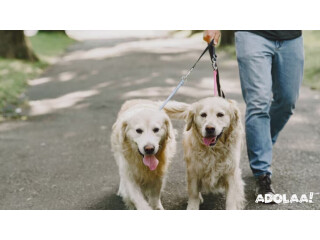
(236,125)
(168,125)
(123,130)
(235,112)
(190,119)
(176,110)
(235,131)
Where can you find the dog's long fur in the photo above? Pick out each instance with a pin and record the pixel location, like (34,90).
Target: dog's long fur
(140,187)
(212,168)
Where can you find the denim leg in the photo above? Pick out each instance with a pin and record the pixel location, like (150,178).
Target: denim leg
(287,74)
(254,55)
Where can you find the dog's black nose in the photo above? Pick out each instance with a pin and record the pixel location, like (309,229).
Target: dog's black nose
(149,149)
(210,130)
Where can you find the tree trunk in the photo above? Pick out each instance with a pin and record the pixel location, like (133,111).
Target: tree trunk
(53,31)
(194,32)
(227,37)
(13,44)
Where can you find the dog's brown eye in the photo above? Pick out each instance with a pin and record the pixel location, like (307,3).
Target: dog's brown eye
(203,115)
(139,130)
(220,114)
(156,130)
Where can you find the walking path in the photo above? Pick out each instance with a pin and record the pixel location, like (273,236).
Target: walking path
(60,157)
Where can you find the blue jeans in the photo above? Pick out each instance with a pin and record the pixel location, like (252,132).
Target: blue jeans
(271,73)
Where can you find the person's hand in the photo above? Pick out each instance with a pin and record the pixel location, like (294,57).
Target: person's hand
(208,35)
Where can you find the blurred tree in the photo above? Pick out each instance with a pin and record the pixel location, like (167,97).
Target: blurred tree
(54,31)
(194,32)
(227,37)
(13,44)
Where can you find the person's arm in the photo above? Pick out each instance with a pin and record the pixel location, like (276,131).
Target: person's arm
(208,35)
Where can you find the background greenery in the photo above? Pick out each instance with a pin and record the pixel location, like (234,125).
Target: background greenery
(14,74)
(312,59)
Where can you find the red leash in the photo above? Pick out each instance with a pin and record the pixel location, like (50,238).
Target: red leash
(217,87)
(215,83)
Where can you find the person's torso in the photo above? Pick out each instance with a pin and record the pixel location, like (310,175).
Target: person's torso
(277,34)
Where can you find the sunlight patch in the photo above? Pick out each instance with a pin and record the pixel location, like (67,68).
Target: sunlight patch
(50,105)
(39,81)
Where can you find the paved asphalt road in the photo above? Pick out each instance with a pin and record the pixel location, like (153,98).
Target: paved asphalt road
(60,157)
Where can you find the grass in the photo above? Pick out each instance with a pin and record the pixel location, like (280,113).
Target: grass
(13,82)
(312,59)
(49,45)
(14,74)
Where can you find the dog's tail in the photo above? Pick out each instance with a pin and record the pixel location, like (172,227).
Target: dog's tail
(177,110)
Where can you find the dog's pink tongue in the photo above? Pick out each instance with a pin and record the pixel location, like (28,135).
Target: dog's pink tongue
(151,161)
(208,141)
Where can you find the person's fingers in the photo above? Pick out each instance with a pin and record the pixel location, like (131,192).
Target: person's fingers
(216,38)
(208,35)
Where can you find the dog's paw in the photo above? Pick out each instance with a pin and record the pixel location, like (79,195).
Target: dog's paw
(129,204)
(192,207)
(145,207)
(236,206)
(193,204)
(239,204)
(201,198)
(159,208)
(156,204)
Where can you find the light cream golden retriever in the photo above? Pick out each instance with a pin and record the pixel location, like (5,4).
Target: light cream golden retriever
(143,142)
(212,144)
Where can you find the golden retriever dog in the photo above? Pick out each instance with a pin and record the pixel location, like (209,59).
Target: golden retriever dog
(143,142)
(212,142)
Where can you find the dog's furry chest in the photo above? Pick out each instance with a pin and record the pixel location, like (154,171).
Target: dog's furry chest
(210,166)
(210,171)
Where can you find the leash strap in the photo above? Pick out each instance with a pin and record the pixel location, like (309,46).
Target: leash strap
(213,58)
(217,87)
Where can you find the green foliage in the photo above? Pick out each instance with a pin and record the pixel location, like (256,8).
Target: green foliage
(312,59)
(14,74)
(46,44)
(13,81)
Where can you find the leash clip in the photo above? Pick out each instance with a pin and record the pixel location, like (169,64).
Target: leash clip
(214,62)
